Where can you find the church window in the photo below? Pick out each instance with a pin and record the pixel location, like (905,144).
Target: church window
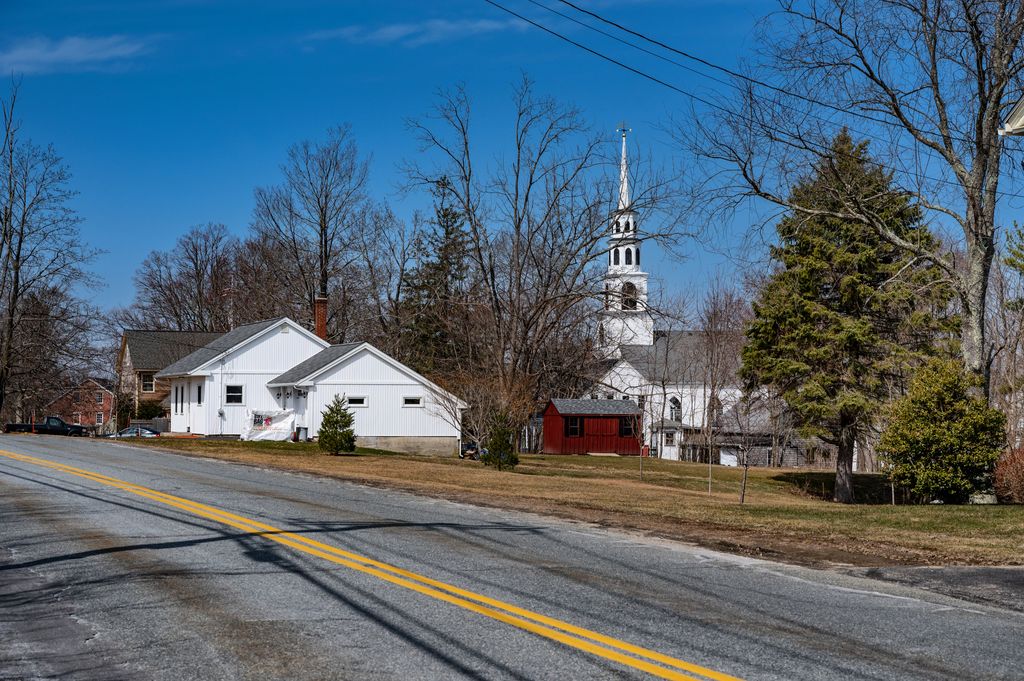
(600,334)
(675,409)
(615,257)
(641,402)
(607,296)
(638,256)
(629,256)
(629,296)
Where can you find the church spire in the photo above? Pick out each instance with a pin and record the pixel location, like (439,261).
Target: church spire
(623,171)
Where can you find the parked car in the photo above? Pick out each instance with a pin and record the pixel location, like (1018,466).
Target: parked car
(51,425)
(134,431)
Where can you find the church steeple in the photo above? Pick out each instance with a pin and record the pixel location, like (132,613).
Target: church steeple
(625,319)
(623,173)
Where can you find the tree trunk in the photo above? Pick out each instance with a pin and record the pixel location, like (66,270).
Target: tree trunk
(844,463)
(974,296)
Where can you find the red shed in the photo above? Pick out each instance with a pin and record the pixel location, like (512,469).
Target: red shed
(592,426)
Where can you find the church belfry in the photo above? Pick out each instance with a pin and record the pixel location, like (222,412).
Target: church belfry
(625,319)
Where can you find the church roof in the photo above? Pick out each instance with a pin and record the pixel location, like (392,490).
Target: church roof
(678,357)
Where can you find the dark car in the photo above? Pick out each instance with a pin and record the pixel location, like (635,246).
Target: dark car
(134,431)
(51,425)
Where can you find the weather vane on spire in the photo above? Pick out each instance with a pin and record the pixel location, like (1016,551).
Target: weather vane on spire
(623,129)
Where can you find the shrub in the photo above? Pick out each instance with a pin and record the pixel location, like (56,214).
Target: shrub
(941,441)
(336,433)
(1010,477)
(149,410)
(501,452)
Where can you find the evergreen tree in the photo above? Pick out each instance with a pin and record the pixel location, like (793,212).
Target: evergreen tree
(942,442)
(433,290)
(336,432)
(843,317)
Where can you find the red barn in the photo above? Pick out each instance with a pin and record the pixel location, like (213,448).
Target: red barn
(592,426)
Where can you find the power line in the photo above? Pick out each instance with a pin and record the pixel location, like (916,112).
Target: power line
(731,72)
(706,101)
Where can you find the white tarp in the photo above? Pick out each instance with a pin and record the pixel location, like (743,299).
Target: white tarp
(269,425)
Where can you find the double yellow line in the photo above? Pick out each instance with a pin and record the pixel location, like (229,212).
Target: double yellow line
(650,661)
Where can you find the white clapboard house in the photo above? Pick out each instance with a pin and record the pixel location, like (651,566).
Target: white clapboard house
(277,365)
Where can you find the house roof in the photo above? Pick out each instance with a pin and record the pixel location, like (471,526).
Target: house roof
(154,350)
(218,346)
(678,357)
(314,364)
(595,407)
(104,383)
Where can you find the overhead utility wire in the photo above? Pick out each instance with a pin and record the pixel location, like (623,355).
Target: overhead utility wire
(732,84)
(732,72)
(696,97)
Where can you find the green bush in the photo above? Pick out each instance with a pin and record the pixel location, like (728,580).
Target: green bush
(336,433)
(501,451)
(941,441)
(149,410)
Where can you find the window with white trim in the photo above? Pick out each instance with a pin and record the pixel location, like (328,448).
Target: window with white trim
(148,383)
(76,418)
(359,401)
(412,401)
(99,397)
(234,394)
(99,418)
(199,394)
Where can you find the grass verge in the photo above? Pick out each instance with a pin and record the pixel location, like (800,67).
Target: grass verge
(785,517)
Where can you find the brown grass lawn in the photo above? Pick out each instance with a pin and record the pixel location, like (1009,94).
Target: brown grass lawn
(785,517)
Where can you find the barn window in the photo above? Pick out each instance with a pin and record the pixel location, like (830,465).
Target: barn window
(573,426)
(629,296)
(412,401)
(675,409)
(233,394)
(626,426)
(629,256)
(356,401)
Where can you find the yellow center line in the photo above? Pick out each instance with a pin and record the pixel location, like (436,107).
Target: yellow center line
(593,642)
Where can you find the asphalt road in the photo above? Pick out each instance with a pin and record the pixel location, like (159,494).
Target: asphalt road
(123,563)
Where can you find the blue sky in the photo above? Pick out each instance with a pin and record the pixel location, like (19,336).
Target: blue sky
(170,112)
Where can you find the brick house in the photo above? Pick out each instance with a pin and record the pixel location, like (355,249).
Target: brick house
(143,353)
(90,404)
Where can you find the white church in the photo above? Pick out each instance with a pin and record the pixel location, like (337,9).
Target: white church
(663,372)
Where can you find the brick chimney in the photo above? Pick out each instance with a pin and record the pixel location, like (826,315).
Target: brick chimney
(320,316)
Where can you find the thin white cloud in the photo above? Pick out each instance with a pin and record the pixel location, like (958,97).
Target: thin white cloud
(73,53)
(417,34)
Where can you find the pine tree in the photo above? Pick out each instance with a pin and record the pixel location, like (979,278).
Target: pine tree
(434,289)
(336,432)
(843,318)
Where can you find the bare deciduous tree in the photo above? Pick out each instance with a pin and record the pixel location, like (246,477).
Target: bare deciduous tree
(42,260)
(928,80)
(536,221)
(190,287)
(312,220)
